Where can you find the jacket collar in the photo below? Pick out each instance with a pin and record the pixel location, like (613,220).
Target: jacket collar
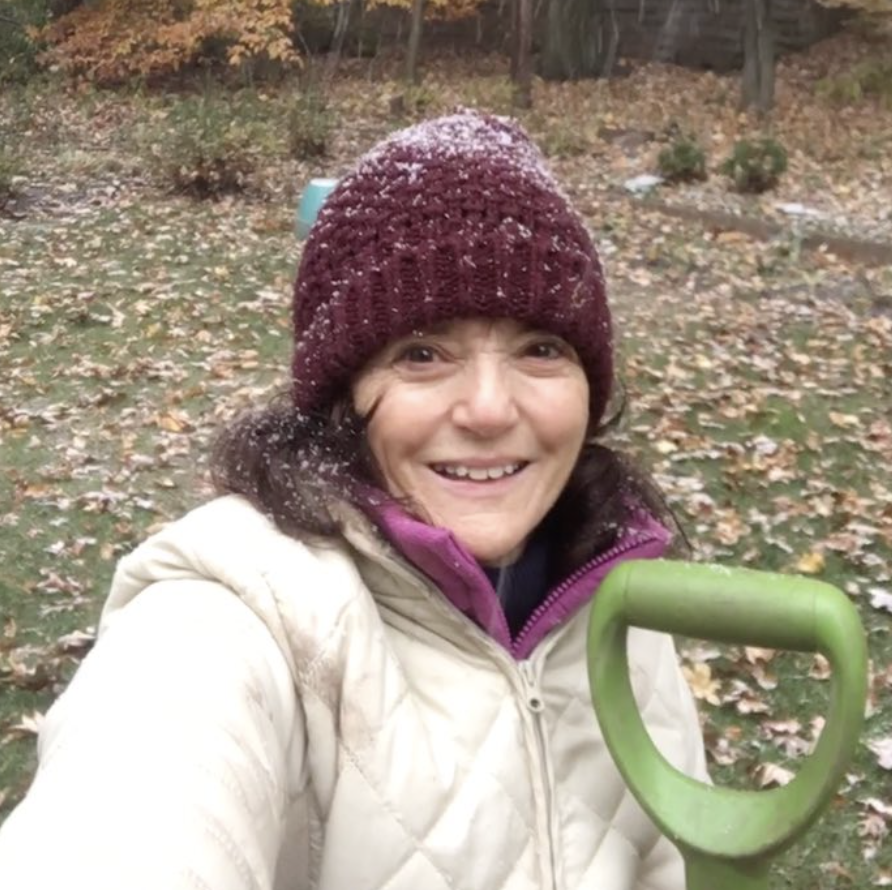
(439,555)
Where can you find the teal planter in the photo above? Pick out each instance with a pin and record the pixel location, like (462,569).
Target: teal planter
(311,201)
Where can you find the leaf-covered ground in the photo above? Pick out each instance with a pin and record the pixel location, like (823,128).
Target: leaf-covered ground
(133,322)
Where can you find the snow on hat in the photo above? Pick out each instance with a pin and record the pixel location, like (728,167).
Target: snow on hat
(452,218)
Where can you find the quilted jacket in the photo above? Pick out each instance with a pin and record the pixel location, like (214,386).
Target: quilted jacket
(337,725)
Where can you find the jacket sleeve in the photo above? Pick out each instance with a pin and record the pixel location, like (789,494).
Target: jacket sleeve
(672,718)
(169,761)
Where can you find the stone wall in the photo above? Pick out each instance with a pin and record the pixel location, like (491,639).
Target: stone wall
(709,33)
(695,33)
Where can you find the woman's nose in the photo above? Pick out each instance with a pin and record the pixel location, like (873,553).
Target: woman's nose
(486,404)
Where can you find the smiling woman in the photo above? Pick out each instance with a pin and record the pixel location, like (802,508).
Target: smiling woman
(363,664)
(479,424)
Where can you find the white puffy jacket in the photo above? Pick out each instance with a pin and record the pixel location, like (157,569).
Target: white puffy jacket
(334,724)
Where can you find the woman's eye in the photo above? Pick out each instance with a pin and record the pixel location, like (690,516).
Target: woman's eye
(545,349)
(417,355)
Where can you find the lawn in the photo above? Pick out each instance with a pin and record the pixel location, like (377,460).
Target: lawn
(134,322)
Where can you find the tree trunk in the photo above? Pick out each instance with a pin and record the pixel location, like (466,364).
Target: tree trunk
(554,57)
(608,32)
(412,74)
(340,33)
(758,57)
(514,38)
(523,84)
(581,39)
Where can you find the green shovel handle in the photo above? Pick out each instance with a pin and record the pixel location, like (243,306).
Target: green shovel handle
(731,606)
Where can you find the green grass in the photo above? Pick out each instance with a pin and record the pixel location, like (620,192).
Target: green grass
(119,326)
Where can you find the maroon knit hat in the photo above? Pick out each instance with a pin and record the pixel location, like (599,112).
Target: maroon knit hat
(453,218)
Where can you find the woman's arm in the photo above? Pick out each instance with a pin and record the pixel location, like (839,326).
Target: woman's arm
(169,761)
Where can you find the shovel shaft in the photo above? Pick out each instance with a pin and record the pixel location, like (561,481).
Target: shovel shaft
(709,873)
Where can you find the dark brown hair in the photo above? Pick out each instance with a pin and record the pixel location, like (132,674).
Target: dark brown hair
(293,466)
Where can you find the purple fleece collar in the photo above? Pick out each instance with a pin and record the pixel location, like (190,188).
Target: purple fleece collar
(437,553)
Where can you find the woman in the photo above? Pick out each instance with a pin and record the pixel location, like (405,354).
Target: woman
(364,667)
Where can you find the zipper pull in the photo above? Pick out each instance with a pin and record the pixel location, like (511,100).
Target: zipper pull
(532,693)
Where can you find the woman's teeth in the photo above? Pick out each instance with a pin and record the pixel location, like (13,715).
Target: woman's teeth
(476,474)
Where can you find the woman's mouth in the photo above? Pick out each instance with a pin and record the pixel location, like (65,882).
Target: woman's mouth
(478,474)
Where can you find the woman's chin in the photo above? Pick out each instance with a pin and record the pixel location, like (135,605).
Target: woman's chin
(490,553)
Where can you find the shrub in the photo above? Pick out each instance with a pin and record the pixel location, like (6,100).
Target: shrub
(492,94)
(564,141)
(203,150)
(309,126)
(559,138)
(11,168)
(870,79)
(18,49)
(871,22)
(682,161)
(757,166)
(414,100)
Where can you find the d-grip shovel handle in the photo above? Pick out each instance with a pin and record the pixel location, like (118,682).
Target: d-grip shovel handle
(727,836)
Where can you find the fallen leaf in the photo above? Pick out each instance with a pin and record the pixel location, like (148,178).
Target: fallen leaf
(700,679)
(810,563)
(755,654)
(883,750)
(732,237)
(78,642)
(837,869)
(29,724)
(847,421)
(820,668)
(772,774)
(173,423)
(880,599)
(878,806)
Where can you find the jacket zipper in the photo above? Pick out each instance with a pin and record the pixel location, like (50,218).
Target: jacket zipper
(529,686)
(529,691)
(536,705)
(613,553)
(534,701)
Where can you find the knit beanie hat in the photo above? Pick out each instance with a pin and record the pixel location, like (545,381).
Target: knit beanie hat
(453,218)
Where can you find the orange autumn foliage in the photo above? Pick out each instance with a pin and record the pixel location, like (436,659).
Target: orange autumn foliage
(433,9)
(116,40)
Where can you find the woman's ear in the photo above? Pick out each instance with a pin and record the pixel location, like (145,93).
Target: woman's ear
(613,413)
(363,393)
(366,393)
(344,413)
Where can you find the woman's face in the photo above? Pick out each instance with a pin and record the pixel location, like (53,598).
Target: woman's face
(479,423)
